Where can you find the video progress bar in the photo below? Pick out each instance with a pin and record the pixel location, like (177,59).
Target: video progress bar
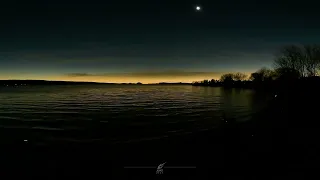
(155,167)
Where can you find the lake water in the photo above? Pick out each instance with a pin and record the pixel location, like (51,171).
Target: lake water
(121,112)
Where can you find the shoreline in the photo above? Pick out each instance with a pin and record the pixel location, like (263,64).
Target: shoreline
(49,82)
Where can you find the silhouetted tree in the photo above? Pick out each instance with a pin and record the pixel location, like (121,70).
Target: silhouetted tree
(304,59)
(312,55)
(239,76)
(227,77)
(205,82)
(293,58)
(256,77)
(212,82)
(287,73)
(292,63)
(263,74)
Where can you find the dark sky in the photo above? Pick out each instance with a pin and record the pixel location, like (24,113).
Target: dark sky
(148,41)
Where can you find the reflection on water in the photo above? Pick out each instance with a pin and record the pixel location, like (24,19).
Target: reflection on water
(123,111)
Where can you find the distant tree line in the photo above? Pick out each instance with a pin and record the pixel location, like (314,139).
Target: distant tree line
(291,63)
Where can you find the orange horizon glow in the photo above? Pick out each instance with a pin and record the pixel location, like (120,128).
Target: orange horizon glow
(149,77)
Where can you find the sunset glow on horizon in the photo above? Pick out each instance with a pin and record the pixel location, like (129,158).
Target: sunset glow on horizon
(186,77)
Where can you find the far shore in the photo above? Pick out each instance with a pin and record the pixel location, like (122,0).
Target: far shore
(47,82)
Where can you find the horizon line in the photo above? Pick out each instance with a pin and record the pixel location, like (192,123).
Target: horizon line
(91,81)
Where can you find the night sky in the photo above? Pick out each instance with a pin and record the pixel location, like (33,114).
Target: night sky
(147,41)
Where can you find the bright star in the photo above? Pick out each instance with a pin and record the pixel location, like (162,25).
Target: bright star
(198,8)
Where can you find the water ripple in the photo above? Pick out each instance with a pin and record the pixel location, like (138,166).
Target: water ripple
(108,109)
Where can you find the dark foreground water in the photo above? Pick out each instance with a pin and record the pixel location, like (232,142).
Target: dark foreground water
(121,112)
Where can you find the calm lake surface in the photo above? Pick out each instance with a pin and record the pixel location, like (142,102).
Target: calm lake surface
(121,112)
